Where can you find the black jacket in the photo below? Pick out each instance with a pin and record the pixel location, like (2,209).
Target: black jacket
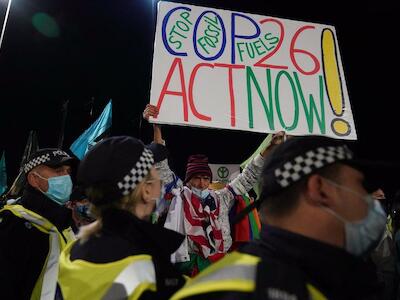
(290,261)
(124,235)
(24,248)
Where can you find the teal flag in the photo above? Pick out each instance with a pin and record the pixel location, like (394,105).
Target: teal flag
(3,175)
(94,133)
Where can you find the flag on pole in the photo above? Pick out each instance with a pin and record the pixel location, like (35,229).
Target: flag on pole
(266,142)
(64,111)
(244,217)
(3,174)
(96,132)
(31,147)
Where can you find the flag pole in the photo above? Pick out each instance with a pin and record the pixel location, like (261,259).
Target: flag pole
(3,174)
(30,147)
(5,23)
(64,117)
(96,131)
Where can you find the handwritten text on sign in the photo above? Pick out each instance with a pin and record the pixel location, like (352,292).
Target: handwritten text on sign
(223,69)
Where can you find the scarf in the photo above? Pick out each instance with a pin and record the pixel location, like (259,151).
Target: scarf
(201,223)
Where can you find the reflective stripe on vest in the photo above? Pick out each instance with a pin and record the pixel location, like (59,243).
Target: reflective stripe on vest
(235,272)
(132,281)
(315,294)
(48,276)
(127,278)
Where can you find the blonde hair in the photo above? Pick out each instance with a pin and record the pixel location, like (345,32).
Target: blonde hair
(127,202)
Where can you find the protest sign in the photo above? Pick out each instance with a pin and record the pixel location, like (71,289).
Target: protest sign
(232,70)
(224,172)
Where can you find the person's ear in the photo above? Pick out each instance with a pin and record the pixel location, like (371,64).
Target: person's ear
(33,180)
(318,191)
(146,193)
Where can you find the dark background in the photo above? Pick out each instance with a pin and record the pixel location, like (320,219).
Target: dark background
(104,51)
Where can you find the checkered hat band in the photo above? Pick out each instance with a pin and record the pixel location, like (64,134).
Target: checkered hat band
(36,161)
(138,172)
(307,163)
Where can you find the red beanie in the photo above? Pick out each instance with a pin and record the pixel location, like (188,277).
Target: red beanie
(197,165)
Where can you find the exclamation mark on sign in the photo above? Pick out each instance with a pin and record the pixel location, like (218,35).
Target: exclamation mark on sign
(333,83)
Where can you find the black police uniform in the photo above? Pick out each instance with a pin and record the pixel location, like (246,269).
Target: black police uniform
(124,235)
(23,247)
(291,263)
(285,265)
(128,257)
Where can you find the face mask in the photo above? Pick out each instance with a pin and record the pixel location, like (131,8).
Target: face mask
(161,198)
(202,194)
(162,195)
(60,188)
(160,207)
(364,235)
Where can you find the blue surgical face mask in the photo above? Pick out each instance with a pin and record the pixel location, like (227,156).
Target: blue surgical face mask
(364,235)
(161,198)
(161,205)
(60,188)
(202,194)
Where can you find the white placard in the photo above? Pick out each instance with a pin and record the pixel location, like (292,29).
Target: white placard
(224,172)
(224,69)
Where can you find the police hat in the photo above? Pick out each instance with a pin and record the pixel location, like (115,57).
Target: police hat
(51,157)
(117,165)
(299,157)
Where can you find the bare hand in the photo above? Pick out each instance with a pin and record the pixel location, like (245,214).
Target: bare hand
(150,111)
(378,194)
(278,138)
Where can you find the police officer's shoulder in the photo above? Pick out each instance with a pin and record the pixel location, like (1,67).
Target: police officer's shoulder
(243,276)
(235,273)
(12,225)
(223,295)
(277,279)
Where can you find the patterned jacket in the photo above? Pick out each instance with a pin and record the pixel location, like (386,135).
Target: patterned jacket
(225,198)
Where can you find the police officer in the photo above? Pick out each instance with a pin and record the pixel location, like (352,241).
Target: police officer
(319,224)
(121,255)
(35,229)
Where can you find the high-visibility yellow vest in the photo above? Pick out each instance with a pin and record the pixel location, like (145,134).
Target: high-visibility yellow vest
(236,272)
(45,286)
(127,278)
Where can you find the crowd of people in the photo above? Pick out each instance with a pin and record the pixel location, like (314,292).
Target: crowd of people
(120,224)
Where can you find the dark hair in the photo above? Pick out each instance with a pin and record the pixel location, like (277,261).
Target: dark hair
(283,202)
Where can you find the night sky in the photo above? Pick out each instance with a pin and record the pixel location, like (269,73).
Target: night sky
(98,50)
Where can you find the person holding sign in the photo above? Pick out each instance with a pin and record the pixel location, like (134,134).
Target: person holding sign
(202,214)
(322,224)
